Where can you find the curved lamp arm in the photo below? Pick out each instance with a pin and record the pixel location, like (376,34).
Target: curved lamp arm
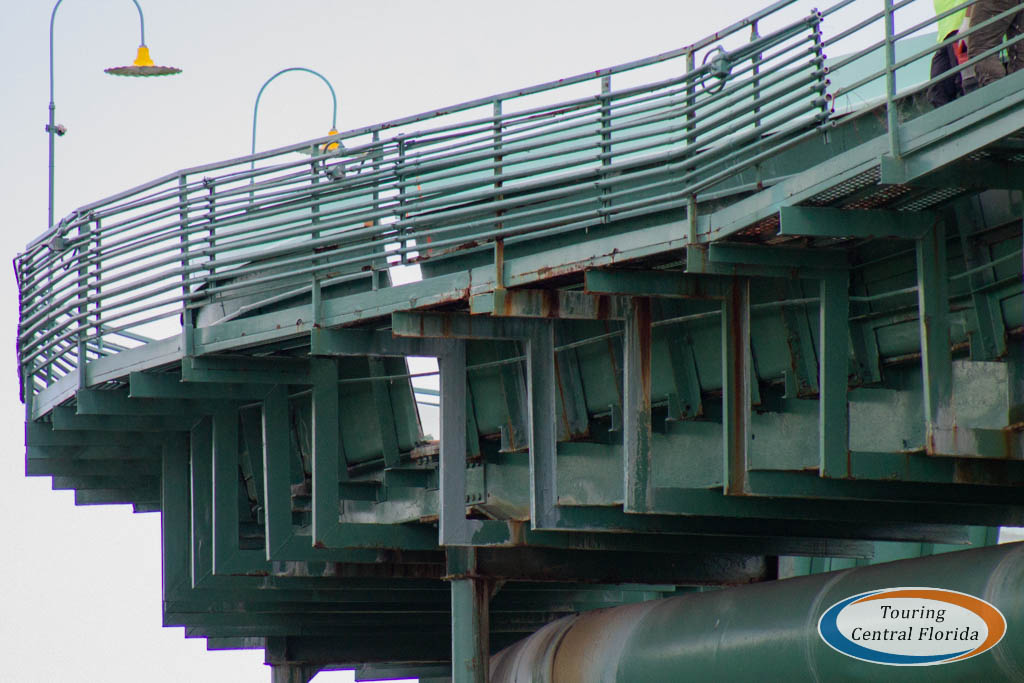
(143,66)
(53,15)
(256,107)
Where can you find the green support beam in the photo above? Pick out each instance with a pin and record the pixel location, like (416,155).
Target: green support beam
(933,308)
(834,359)
(862,224)
(540,363)
(549,303)
(329,463)
(656,284)
(638,474)
(736,386)
(470,617)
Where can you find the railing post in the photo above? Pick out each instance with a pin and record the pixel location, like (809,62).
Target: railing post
(756,69)
(211,210)
(84,234)
(316,301)
(399,183)
(187,339)
(28,388)
(45,359)
(892,116)
(499,243)
(314,208)
(606,141)
(97,267)
(691,139)
(377,156)
(819,51)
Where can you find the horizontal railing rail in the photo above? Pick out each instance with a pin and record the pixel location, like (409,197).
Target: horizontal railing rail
(250,232)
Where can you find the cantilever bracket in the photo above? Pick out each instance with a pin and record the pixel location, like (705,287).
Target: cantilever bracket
(538,338)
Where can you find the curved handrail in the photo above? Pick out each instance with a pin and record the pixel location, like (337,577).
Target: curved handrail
(97,282)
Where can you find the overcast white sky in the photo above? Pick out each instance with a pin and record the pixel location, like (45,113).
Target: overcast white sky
(81,586)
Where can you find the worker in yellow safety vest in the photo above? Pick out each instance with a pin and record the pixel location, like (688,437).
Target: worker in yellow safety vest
(948,56)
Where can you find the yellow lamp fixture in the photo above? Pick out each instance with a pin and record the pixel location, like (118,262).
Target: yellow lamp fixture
(330,146)
(143,66)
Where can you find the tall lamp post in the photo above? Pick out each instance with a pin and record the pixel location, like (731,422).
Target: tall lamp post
(142,66)
(256,107)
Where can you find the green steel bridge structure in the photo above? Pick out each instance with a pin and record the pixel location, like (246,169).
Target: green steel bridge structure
(745,311)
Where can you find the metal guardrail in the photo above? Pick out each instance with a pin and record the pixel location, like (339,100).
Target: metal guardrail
(630,140)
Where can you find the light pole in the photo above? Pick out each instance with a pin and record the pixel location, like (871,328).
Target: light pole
(256,108)
(143,66)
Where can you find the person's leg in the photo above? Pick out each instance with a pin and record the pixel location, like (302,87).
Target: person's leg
(1016,51)
(990,68)
(944,91)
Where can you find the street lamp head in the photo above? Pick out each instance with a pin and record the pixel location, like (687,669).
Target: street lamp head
(331,146)
(143,66)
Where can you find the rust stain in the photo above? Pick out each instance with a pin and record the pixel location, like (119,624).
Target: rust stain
(552,304)
(737,468)
(564,413)
(499,263)
(643,314)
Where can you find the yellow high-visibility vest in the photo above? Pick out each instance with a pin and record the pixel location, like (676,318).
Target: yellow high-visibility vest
(947,25)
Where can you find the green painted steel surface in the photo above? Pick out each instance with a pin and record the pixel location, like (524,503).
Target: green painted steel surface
(767,631)
(685,328)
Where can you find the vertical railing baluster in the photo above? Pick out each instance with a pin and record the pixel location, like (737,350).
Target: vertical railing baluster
(499,170)
(316,301)
(374,276)
(45,348)
(97,268)
(756,71)
(819,52)
(187,328)
(400,184)
(892,116)
(691,140)
(606,142)
(82,285)
(85,240)
(314,208)
(211,238)
(28,383)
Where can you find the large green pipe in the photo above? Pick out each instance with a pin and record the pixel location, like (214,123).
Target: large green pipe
(768,631)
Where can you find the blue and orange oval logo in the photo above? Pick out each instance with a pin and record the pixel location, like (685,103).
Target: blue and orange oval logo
(912,626)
